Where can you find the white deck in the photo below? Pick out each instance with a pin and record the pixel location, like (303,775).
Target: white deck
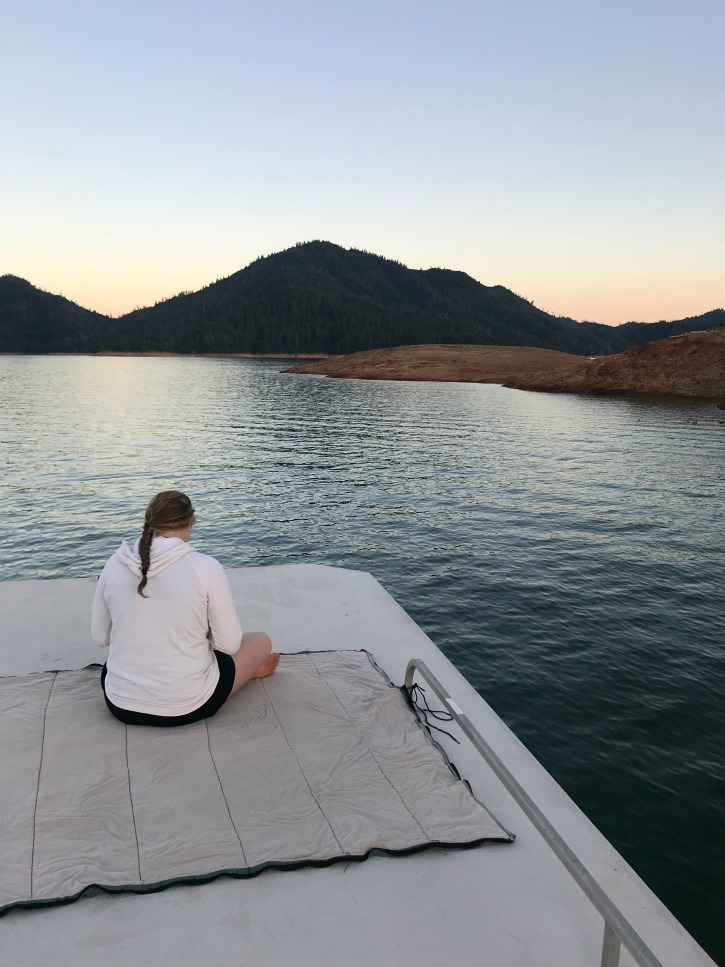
(497,906)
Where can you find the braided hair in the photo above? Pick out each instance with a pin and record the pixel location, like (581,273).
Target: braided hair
(168,510)
(144,550)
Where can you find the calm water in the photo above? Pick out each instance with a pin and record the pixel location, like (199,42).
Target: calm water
(566,553)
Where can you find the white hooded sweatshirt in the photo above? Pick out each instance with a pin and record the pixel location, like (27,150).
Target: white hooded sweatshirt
(161,658)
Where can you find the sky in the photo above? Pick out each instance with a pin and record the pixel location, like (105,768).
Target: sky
(570,150)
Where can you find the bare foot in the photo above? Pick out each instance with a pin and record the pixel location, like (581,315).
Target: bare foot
(268,666)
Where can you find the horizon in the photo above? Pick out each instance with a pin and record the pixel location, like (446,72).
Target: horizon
(184,292)
(570,153)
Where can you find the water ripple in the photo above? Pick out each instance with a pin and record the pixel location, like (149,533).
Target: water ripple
(565,552)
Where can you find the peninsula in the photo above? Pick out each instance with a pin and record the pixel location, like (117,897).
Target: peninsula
(440,363)
(692,364)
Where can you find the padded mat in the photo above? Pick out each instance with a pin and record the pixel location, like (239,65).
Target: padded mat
(323,761)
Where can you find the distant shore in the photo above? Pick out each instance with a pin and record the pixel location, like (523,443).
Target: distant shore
(113,352)
(690,364)
(152,352)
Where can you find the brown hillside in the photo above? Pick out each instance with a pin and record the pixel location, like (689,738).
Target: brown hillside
(459,364)
(689,365)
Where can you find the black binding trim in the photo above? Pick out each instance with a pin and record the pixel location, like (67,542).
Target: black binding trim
(242,873)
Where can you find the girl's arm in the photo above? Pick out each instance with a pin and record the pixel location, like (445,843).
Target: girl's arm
(226,631)
(100,615)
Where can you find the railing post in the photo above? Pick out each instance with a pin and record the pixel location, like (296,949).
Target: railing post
(610,948)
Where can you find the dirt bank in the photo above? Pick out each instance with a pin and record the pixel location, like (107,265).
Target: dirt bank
(459,364)
(689,365)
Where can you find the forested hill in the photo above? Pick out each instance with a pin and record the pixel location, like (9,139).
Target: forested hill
(33,321)
(318,297)
(315,297)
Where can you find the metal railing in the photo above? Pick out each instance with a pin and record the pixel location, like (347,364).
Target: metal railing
(617,929)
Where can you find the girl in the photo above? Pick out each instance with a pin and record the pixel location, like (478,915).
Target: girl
(177,651)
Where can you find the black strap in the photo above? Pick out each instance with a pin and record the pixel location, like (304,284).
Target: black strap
(415,695)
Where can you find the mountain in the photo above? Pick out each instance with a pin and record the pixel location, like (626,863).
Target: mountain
(314,297)
(689,364)
(33,321)
(318,297)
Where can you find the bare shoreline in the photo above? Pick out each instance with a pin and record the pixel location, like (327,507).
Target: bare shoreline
(447,363)
(687,365)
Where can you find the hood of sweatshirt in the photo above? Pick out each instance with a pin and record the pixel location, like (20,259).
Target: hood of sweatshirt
(164,551)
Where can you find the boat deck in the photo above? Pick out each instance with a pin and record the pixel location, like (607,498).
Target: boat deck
(503,906)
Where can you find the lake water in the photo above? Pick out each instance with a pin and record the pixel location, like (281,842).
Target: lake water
(565,552)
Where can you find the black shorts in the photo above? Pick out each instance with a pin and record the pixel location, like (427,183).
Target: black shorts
(210,707)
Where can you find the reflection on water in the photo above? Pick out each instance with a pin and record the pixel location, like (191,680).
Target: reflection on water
(565,552)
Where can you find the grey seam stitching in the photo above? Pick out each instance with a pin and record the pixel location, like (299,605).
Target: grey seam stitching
(221,787)
(133,812)
(345,852)
(37,788)
(372,754)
